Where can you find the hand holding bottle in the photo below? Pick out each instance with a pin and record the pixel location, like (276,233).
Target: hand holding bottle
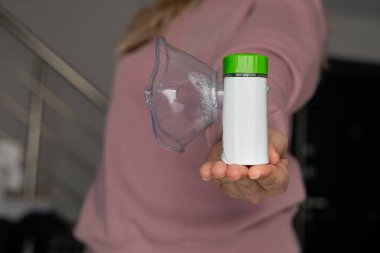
(253,183)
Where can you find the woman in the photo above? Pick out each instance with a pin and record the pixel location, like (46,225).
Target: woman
(145,199)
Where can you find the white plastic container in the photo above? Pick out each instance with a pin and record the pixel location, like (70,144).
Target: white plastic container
(245,127)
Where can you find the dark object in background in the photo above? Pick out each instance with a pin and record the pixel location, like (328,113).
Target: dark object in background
(44,232)
(6,234)
(343,162)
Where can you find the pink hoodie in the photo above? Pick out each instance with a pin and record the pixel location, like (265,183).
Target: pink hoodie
(146,199)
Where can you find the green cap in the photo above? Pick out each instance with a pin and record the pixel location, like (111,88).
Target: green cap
(245,64)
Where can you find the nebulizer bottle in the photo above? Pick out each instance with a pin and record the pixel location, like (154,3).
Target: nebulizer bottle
(245,130)
(185,98)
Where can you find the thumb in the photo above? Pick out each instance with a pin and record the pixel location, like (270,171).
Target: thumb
(273,155)
(279,142)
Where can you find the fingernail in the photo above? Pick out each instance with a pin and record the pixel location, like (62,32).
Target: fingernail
(206,179)
(255,175)
(234,178)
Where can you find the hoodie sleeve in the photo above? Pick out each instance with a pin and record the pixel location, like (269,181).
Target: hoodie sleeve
(292,34)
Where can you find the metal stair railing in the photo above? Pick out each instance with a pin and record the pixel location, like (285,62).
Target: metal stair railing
(19,31)
(41,96)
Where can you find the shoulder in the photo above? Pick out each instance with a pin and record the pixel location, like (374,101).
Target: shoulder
(201,30)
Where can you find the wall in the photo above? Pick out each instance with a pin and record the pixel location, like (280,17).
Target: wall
(84,33)
(354,29)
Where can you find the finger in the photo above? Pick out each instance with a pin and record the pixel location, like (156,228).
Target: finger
(205,171)
(218,169)
(229,187)
(235,171)
(251,190)
(279,142)
(283,176)
(270,177)
(265,174)
(274,157)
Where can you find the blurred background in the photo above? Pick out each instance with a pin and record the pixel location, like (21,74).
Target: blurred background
(56,68)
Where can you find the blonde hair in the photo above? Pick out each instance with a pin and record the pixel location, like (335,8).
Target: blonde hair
(151,21)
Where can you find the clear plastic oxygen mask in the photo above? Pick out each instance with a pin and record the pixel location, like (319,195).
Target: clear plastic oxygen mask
(185,98)
(182,95)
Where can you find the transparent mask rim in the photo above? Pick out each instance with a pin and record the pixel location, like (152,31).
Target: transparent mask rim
(160,42)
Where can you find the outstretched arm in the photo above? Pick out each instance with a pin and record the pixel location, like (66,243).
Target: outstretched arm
(292,34)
